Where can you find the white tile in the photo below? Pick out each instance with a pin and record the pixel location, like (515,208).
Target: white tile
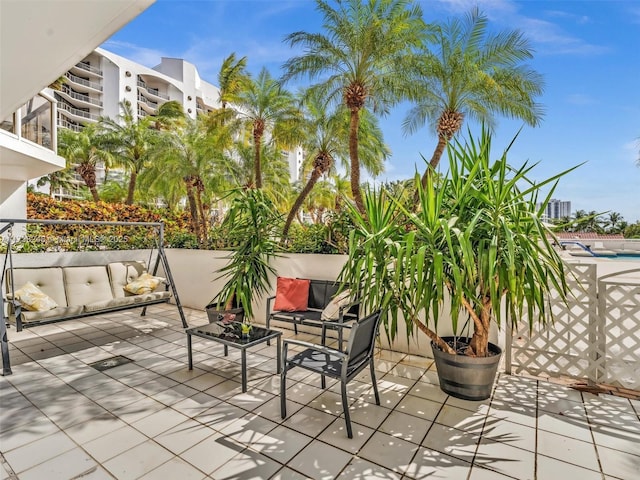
(505,459)
(211,453)
(419,407)
(114,443)
(68,465)
(281,444)
(309,421)
(362,469)
(134,411)
(159,422)
(183,436)
(452,441)
(27,433)
(553,468)
(429,391)
(368,414)
(432,465)
(329,402)
(461,419)
(567,449)
(320,461)
(175,468)
(569,426)
(390,452)
(248,429)
(196,404)
(514,434)
(247,465)
(39,451)
(137,461)
(94,428)
(407,427)
(336,435)
(620,464)
(221,415)
(616,439)
(288,474)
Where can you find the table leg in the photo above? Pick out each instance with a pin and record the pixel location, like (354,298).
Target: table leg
(190,353)
(244,370)
(226,351)
(279,355)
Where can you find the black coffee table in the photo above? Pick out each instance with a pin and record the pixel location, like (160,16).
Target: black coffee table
(230,335)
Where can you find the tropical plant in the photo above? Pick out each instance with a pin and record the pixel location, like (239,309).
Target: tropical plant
(252,222)
(187,156)
(60,179)
(129,140)
(232,78)
(267,111)
(362,60)
(472,73)
(82,150)
(476,241)
(325,140)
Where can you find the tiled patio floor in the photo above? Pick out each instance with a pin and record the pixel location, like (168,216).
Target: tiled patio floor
(154,419)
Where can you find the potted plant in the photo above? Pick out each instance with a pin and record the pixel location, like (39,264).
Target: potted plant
(252,223)
(476,242)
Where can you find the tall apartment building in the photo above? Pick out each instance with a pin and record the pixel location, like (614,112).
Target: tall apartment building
(557,209)
(96,85)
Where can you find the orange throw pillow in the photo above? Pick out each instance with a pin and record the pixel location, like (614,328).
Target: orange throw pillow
(292,294)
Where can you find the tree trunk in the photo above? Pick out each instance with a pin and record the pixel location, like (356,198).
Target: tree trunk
(193,209)
(132,188)
(435,159)
(355,161)
(315,175)
(479,344)
(258,130)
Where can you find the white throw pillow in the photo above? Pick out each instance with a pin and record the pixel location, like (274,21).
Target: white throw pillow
(332,310)
(145,283)
(33,299)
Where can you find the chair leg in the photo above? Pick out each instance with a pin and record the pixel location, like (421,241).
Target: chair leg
(373,380)
(345,408)
(283,390)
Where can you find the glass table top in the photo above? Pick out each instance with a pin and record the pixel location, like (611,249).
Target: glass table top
(232,333)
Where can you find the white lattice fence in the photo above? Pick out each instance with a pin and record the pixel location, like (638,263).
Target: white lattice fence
(619,310)
(564,347)
(596,336)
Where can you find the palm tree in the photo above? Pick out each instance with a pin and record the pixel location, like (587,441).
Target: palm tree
(170,115)
(232,78)
(189,155)
(60,179)
(614,221)
(264,107)
(129,139)
(326,139)
(82,149)
(472,73)
(362,60)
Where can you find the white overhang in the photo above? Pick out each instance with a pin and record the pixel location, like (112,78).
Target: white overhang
(42,39)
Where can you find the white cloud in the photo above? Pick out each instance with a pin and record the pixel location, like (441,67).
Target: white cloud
(548,37)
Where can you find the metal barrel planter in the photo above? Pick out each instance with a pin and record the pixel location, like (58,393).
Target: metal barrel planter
(468,378)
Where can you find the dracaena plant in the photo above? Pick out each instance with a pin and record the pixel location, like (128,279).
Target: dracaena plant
(476,241)
(253,222)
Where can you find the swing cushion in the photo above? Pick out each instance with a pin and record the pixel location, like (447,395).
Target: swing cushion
(145,283)
(33,299)
(123,273)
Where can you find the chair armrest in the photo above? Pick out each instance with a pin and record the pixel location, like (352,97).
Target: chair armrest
(317,348)
(269,301)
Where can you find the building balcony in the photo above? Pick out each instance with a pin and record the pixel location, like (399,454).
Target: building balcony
(81,98)
(77,113)
(80,82)
(88,68)
(154,92)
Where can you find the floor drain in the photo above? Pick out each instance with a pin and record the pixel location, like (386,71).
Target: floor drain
(111,362)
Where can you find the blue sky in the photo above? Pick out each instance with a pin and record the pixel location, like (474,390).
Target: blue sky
(587,51)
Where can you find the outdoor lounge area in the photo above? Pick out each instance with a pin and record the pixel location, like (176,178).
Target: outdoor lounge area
(152,417)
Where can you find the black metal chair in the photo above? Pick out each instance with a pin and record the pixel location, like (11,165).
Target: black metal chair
(334,363)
